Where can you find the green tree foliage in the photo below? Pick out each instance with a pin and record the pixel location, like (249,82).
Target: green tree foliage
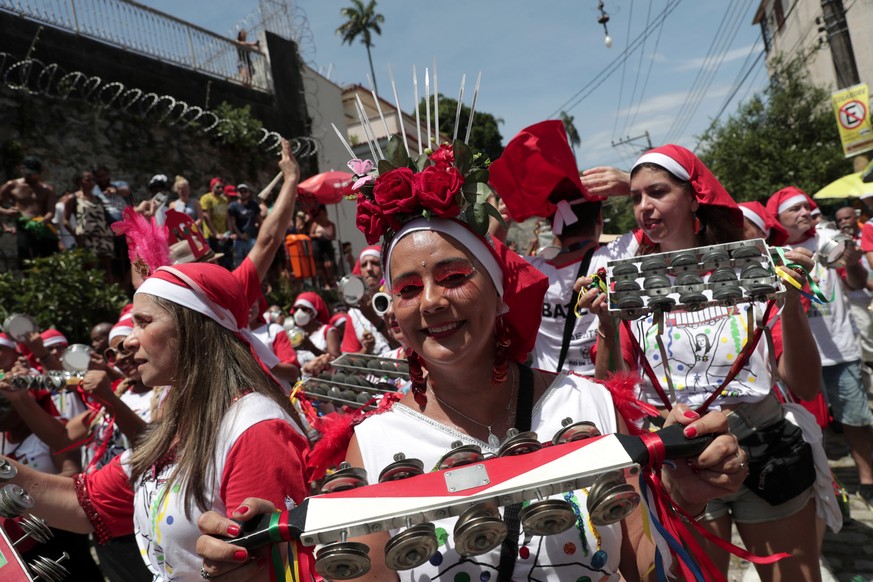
(240,130)
(361,21)
(784,136)
(485,134)
(64,290)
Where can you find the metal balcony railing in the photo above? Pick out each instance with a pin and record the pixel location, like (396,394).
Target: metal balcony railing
(143,30)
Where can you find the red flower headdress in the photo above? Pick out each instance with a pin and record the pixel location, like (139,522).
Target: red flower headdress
(451,182)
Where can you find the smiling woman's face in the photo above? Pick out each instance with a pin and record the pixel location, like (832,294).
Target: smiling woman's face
(445,303)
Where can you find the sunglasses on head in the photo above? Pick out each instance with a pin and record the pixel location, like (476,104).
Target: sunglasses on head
(112,355)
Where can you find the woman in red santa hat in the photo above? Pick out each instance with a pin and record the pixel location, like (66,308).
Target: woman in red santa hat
(223,414)
(680,205)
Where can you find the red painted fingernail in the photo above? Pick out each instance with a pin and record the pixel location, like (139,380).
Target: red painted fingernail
(233,530)
(690,432)
(691,414)
(242,510)
(240,555)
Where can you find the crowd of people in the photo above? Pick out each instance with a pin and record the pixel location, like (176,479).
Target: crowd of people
(186,423)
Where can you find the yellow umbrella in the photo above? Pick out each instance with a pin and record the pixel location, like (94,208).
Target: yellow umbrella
(849,186)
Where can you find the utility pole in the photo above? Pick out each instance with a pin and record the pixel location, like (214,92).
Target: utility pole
(630,141)
(840,42)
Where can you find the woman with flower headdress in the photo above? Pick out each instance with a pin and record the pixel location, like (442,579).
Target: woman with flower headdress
(679,205)
(469,309)
(223,413)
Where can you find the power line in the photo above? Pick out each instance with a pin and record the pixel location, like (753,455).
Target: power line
(624,128)
(633,118)
(630,19)
(707,73)
(607,71)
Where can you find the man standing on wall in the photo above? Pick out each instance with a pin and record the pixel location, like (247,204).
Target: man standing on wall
(32,202)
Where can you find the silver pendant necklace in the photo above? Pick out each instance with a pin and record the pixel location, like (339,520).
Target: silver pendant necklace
(493,439)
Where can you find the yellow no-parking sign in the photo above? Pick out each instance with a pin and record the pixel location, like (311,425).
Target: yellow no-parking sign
(852,108)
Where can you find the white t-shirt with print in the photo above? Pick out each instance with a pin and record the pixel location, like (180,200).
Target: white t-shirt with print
(831,323)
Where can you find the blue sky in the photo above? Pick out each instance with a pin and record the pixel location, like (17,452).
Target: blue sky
(535,56)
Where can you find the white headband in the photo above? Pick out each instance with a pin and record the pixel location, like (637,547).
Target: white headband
(791,202)
(755,219)
(665,162)
(564,215)
(7,343)
(815,211)
(368,253)
(120,331)
(468,240)
(186,297)
(54,341)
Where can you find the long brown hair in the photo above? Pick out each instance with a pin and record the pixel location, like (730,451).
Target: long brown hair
(718,225)
(213,369)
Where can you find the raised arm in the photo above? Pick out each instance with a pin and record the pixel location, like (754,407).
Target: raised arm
(272,233)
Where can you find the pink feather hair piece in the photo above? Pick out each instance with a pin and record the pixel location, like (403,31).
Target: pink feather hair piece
(148,243)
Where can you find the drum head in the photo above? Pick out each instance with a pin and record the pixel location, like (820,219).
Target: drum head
(76,358)
(352,289)
(19,325)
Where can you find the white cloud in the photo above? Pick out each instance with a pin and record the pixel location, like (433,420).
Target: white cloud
(729,56)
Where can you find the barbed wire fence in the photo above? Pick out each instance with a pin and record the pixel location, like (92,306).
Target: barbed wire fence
(33,77)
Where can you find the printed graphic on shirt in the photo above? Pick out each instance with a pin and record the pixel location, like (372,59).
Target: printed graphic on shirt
(701,347)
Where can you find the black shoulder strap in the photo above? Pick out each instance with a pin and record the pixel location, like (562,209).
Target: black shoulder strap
(523,414)
(570,322)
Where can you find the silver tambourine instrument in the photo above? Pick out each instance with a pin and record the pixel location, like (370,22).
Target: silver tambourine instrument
(831,247)
(18,326)
(352,289)
(54,381)
(472,487)
(76,358)
(14,501)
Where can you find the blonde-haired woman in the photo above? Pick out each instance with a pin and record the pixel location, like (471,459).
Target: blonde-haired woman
(186,204)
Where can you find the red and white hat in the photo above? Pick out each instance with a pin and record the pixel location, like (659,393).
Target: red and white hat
(683,164)
(789,197)
(370,251)
(314,302)
(52,337)
(7,342)
(122,328)
(755,213)
(213,291)
(536,175)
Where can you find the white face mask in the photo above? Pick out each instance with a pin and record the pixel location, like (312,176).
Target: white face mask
(302,317)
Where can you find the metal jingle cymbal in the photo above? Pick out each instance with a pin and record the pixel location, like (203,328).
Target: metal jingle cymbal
(479,535)
(7,470)
(412,547)
(727,294)
(547,517)
(575,431)
(617,504)
(692,301)
(460,456)
(401,469)
(665,303)
(519,443)
(346,478)
(343,560)
(50,570)
(14,500)
(486,509)
(602,485)
(36,528)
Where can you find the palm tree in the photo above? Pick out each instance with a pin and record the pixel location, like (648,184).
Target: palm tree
(572,133)
(361,21)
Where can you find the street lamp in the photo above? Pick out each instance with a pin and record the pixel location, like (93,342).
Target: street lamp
(603,19)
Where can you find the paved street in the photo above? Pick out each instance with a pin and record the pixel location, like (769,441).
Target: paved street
(848,555)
